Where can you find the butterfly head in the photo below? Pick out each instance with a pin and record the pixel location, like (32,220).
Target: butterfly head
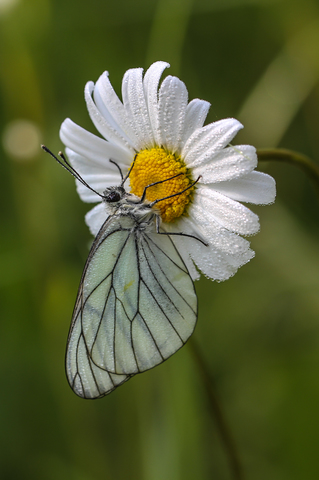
(114,194)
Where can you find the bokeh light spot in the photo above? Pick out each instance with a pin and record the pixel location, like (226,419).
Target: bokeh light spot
(21,139)
(7,5)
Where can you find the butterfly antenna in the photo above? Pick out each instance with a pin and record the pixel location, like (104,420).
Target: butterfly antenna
(65,164)
(120,170)
(128,173)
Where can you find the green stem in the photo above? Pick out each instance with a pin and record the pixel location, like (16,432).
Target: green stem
(217,413)
(294,158)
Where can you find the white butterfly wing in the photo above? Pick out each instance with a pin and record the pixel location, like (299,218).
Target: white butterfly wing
(136,306)
(167,310)
(87,379)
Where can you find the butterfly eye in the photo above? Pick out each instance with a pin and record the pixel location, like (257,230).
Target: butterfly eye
(113,197)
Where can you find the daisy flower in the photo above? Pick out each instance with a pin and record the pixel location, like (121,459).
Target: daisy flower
(157,126)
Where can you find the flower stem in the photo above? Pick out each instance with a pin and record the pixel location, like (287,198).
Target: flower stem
(217,413)
(305,163)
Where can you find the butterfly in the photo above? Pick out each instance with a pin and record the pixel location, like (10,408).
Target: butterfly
(136,303)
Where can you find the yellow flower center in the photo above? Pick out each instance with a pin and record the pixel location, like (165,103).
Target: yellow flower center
(156,165)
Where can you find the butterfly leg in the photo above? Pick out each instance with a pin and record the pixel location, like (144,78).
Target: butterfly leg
(177,233)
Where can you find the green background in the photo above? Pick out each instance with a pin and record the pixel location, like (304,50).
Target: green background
(255,60)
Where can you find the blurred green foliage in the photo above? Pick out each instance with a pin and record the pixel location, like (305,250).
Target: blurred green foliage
(256,60)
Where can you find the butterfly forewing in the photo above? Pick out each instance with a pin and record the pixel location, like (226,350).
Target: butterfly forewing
(136,306)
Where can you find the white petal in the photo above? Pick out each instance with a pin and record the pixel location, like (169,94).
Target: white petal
(88,168)
(96,217)
(255,187)
(196,113)
(218,265)
(136,108)
(88,145)
(107,100)
(206,142)
(214,234)
(211,260)
(229,214)
(94,175)
(231,162)
(104,122)
(151,82)
(172,103)
(87,195)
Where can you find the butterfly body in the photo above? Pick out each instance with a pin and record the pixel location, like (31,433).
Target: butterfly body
(121,203)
